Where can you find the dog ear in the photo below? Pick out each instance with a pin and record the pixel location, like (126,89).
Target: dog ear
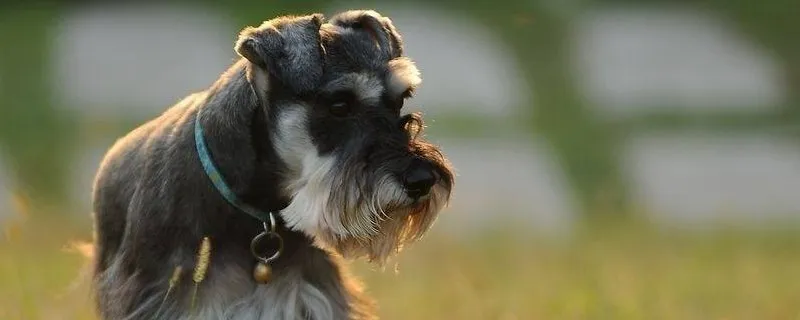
(379,28)
(285,49)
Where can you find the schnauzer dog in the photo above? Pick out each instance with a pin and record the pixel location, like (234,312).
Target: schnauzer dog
(243,200)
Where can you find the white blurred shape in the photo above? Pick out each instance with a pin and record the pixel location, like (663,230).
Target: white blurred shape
(465,68)
(507,181)
(637,59)
(115,61)
(704,179)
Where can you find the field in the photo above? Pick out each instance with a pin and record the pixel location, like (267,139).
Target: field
(606,271)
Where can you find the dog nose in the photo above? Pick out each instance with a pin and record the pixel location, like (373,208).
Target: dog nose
(419,181)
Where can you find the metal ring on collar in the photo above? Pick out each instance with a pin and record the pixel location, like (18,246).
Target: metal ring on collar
(269,232)
(262,237)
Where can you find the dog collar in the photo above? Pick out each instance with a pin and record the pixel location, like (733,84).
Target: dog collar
(216,177)
(262,271)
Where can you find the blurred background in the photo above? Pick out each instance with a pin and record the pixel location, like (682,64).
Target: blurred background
(615,159)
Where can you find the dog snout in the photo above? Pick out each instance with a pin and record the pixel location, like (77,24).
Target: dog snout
(419,180)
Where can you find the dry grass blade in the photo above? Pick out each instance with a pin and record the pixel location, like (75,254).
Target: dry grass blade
(173,281)
(201,268)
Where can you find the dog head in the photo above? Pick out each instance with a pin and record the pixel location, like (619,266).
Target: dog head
(362,179)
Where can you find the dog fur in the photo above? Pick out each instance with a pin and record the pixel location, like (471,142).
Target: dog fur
(274,126)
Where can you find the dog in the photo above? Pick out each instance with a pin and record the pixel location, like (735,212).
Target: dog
(245,200)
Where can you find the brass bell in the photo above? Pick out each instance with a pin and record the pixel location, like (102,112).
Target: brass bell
(262,273)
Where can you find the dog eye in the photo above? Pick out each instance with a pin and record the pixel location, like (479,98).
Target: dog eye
(340,108)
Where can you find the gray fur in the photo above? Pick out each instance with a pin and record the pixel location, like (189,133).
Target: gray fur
(367,88)
(340,187)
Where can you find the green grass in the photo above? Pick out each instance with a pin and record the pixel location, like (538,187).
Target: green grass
(609,271)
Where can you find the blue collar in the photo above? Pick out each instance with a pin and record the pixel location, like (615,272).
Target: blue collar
(216,177)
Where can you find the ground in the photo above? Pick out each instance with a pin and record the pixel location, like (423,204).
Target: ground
(606,271)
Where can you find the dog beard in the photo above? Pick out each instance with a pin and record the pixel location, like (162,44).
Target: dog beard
(347,206)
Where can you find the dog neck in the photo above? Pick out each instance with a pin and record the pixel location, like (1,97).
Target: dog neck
(233,129)
(237,125)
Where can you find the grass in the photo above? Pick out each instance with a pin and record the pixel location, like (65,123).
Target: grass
(608,271)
